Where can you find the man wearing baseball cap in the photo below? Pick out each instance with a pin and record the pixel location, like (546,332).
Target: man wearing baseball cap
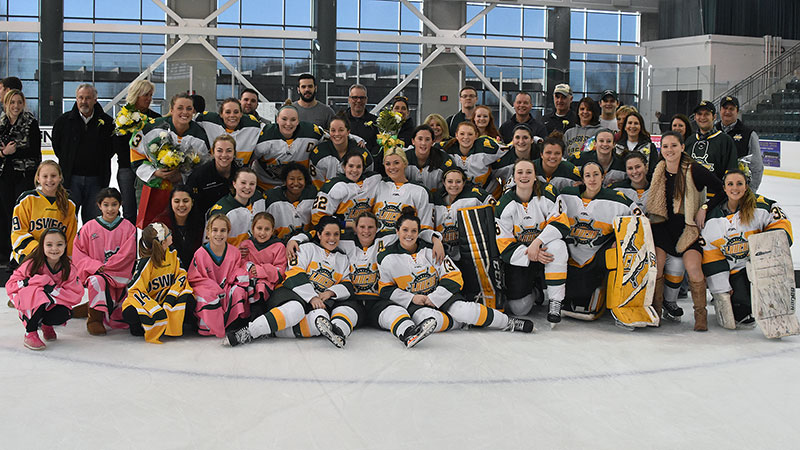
(745,139)
(609,102)
(710,147)
(562,118)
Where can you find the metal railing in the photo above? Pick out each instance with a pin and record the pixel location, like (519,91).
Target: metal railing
(764,80)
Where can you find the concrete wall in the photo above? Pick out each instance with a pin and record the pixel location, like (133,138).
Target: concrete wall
(711,63)
(443,75)
(203,64)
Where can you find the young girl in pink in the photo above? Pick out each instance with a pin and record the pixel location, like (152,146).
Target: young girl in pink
(264,256)
(104,254)
(219,281)
(45,288)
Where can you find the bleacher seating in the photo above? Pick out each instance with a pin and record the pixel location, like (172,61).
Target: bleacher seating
(779,116)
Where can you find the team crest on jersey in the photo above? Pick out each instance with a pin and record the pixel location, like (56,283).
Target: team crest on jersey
(272,168)
(364,279)
(702,148)
(389,214)
(583,233)
(361,205)
(528,235)
(424,283)
(736,248)
(109,253)
(321,278)
(450,233)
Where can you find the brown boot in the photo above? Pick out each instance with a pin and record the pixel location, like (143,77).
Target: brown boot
(11,304)
(95,323)
(80,311)
(658,297)
(698,290)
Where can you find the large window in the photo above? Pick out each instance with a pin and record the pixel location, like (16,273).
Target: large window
(19,52)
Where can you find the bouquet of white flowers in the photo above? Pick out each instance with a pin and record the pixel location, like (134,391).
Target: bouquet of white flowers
(389,123)
(164,153)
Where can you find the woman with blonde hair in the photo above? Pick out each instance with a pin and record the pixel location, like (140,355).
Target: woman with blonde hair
(20,153)
(441,132)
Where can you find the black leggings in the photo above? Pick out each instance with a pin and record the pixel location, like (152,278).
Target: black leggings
(54,316)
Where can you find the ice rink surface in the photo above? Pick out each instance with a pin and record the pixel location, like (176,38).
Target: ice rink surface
(580,385)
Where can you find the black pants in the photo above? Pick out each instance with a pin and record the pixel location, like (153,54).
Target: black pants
(12,184)
(740,299)
(54,316)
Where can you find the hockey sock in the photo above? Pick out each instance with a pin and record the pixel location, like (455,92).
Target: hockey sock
(477,314)
(344,317)
(521,306)
(444,321)
(276,319)
(395,319)
(305,327)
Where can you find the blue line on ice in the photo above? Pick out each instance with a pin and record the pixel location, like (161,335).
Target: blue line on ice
(522,380)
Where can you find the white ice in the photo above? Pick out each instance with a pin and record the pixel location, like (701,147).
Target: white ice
(580,385)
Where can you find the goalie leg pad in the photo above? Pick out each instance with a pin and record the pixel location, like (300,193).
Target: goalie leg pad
(631,282)
(480,257)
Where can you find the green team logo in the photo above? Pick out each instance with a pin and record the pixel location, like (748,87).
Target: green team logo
(450,234)
(528,235)
(361,205)
(389,214)
(322,278)
(583,233)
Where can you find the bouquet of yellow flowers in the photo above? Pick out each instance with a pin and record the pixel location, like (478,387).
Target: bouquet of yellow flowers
(389,123)
(129,121)
(164,153)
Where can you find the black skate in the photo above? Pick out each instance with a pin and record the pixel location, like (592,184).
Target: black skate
(236,337)
(672,311)
(554,315)
(415,334)
(523,325)
(330,331)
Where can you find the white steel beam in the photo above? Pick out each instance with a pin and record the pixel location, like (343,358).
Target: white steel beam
(407,80)
(183,40)
(170,12)
(447,41)
(217,12)
(475,19)
(486,82)
(427,21)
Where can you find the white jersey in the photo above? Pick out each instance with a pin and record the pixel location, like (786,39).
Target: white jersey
(194,138)
(403,275)
(426,175)
(446,216)
(245,134)
(639,196)
(477,163)
(241,216)
(726,249)
(315,270)
(290,217)
(591,221)
(391,198)
(520,223)
(344,197)
(324,162)
(273,150)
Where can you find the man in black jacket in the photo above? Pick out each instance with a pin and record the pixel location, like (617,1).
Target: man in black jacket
(358,116)
(522,110)
(744,137)
(82,143)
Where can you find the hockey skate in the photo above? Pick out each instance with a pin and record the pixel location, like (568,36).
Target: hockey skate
(554,315)
(415,334)
(523,325)
(236,337)
(672,311)
(747,323)
(330,331)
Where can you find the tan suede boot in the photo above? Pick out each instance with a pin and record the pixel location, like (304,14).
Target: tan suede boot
(94,324)
(658,297)
(80,311)
(698,290)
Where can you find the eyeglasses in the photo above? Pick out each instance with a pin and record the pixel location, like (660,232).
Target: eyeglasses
(359,98)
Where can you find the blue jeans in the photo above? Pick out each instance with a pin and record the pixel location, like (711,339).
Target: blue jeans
(126,178)
(83,192)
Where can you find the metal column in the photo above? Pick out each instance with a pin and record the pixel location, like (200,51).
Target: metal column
(51,60)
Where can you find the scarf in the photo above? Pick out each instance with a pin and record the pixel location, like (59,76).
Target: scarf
(688,205)
(17,132)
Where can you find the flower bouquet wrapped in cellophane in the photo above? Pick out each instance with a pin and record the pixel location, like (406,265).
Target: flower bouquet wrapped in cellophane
(129,121)
(164,153)
(388,123)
